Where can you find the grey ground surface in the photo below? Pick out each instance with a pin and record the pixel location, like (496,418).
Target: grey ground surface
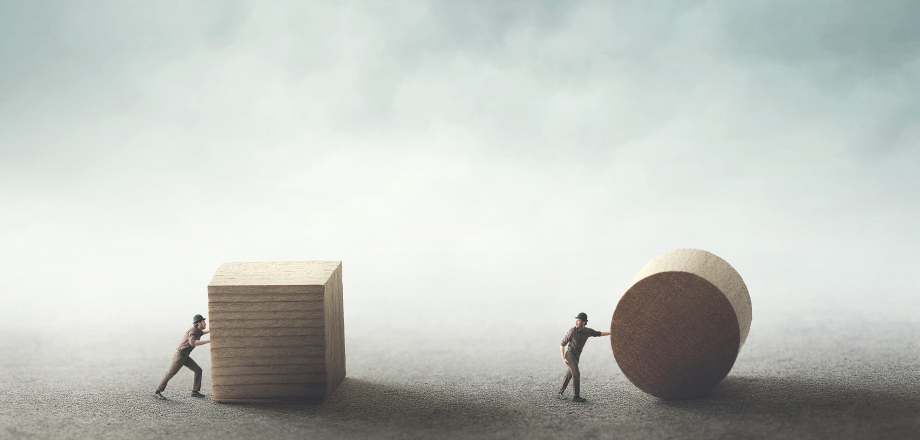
(805,375)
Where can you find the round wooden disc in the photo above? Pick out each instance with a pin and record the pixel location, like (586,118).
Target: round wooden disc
(674,335)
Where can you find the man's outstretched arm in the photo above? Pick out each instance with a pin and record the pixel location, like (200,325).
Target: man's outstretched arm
(605,333)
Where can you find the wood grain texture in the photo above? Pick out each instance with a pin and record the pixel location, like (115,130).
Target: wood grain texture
(292,351)
(264,379)
(272,331)
(264,361)
(265,297)
(674,335)
(269,369)
(313,315)
(274,273)
(335,330)
(220,323)
(266,306)
(713,269)
(266,290)
(277,331)
(268,341)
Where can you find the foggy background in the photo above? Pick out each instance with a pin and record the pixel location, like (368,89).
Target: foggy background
(479,167)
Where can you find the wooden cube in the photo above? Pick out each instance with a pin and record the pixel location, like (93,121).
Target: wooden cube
(277,331)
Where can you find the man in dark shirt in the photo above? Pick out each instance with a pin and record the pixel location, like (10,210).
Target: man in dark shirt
(575,338)
(181,357)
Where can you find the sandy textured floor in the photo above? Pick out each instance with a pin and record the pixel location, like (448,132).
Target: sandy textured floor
(799,376)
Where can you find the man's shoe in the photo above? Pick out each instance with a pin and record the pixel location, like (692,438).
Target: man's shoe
(197,394)
(158,395)
(578,399)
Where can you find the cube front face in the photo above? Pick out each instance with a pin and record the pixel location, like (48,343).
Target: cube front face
(277,331)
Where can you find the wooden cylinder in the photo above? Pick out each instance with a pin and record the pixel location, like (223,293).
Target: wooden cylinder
(679,327)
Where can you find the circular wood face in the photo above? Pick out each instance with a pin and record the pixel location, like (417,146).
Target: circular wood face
(674,335)
(713,269)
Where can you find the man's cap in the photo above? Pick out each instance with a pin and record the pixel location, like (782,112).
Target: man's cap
(582,316)
(199,318)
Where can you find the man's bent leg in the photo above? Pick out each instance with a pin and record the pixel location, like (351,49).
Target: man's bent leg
(177,363)
(194,367)
(573,371)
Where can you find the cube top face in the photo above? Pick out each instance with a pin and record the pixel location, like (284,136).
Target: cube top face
(276,273)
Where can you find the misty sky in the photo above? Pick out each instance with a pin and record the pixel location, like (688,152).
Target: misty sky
(457,156)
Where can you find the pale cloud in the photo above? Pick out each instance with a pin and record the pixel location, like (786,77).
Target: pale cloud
(510,144)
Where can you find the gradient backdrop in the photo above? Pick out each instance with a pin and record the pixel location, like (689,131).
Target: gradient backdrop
(478,166)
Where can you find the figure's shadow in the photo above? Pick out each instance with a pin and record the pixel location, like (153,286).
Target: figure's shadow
(800,398)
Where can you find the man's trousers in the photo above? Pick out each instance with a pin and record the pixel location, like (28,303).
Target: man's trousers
(178,361)
(572,374)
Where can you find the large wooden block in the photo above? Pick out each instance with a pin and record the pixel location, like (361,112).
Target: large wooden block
(277,331)
(679,327)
